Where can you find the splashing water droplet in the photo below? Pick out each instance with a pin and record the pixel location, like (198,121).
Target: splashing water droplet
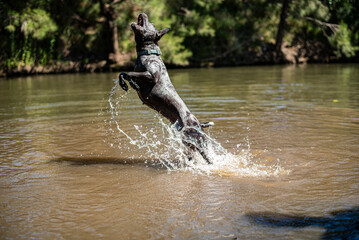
(163,145)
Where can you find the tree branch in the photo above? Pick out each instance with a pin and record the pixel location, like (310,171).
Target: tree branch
(117,2)
(333,27)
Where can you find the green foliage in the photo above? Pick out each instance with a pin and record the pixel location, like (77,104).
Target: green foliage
(27,28)
(346,14)
(40,32)
(174,52)
(341,41)
(300,26)
(37,23)
(34,23)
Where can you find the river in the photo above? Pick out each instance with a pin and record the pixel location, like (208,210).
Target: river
(82,159)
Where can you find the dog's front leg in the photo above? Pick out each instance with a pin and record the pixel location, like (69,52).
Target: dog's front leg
(134,78)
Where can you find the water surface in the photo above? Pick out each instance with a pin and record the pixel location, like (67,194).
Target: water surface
(68,171)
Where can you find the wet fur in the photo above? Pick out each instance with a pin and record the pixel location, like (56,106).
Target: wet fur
(154,87)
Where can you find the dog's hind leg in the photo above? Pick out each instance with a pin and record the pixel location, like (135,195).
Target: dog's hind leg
(196,140)
(201,150)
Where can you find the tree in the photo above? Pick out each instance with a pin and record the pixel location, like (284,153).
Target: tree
(282,25)
(203,32)
(345,13)
(27,28)
(110,13)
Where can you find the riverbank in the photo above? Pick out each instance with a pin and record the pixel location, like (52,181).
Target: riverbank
(267,56)
(64,67)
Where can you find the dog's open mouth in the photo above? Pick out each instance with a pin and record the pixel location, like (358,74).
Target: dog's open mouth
(140,20)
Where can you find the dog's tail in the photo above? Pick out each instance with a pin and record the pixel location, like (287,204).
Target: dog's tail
(207,124)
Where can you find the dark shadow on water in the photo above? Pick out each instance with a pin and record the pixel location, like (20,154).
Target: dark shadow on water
(342,224)
(79,161)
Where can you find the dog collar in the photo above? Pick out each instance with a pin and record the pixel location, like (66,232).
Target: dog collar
(149,52)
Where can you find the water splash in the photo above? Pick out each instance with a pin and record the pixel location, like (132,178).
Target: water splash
(163,145)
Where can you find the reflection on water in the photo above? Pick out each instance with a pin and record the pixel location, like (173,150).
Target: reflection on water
(290,135)
(342,224)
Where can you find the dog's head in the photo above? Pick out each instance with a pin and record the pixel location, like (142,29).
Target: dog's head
(146,32)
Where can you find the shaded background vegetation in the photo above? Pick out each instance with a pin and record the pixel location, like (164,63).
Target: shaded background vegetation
(91,35)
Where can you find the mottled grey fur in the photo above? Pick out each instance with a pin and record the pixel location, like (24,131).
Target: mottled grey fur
(154,87)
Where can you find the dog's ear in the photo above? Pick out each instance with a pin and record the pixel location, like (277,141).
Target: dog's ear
(161,33)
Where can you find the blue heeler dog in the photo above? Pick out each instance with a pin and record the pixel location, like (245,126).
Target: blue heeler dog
(154,87)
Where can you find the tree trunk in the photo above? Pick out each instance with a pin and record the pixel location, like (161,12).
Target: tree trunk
(110,15)
(281,26)
(115,55)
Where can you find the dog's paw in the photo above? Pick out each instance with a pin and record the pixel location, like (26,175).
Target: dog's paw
(122,82)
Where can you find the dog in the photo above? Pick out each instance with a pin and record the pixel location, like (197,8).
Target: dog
(154,87)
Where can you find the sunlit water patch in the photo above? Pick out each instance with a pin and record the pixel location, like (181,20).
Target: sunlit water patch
(162,145)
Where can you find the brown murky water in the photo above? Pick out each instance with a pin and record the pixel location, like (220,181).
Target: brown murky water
(68,171)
